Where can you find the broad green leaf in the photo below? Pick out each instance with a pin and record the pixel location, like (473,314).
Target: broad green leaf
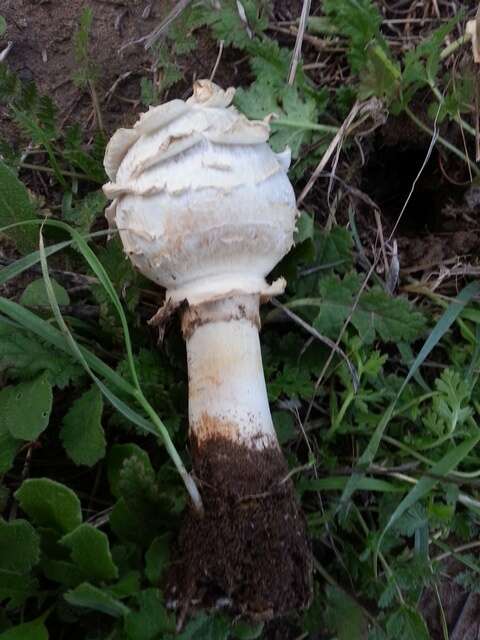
(8,450)
(50,504)
(407,624)
(207,627)
(344,615)
(35,294)
(63,572)
(90,551)
(3,25)
(25,409)
(16,588)
(35,630)
(157,557)
(90,597)
(19,546)
(151,620)
(16,206)
(82,433)
(242,630)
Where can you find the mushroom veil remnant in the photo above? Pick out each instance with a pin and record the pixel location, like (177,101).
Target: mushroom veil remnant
(204,208)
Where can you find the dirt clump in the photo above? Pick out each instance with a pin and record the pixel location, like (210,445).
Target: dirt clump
(249,552)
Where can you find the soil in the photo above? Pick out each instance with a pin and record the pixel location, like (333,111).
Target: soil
(42,33)
(439,226)
(249,552)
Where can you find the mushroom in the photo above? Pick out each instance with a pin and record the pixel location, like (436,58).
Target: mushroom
(204,208)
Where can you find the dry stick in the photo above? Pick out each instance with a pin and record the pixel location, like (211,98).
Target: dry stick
(364,109)
(151,38)
(372,268)
(298,42)
(217,61)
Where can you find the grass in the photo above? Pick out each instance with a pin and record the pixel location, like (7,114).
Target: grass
(373,385)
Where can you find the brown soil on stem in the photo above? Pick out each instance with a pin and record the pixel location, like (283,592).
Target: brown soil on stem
(249,552)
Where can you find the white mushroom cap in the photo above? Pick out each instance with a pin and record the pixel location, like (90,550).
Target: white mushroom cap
(203,205)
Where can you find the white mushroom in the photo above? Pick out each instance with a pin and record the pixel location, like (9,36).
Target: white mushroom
(204,208)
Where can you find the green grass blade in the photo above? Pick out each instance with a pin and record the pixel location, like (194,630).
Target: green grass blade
(443,467)
(444,323)
(45,331)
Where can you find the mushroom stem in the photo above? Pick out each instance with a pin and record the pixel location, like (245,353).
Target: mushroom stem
(227,392)
(250,548)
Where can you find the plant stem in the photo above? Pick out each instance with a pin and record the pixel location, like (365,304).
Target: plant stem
(70,174)
(304,124)
(172,452)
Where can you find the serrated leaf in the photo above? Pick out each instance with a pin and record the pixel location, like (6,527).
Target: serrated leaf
(16,588)
(335,249)
(19,546)
(23,355)
(16,206)
(117,454)
(152,618)
(25,409)
(90,597)
(90,550)
(34,630)
(35,294)
(407,624)
(82,433)
(50,504)
(376,312)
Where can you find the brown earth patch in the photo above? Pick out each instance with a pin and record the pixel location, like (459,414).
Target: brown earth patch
(249,552)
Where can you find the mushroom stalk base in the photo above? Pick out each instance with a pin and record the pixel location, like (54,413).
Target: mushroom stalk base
(249,552)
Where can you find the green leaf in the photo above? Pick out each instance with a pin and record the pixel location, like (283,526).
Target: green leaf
(16,206)
(90,597)
(25,409)
(3,25)
(247,630)
(90,551)
(16,588)
(152,618)
(444,466)
(63,572)
(344,615)
(82,433)
(8,449)
(35,630)
(206,627)
(157,558)
(117,454)
(359,21)
(50,504)
(393,319)
(35,294)
(19,546)
(407,624)
(23,355)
